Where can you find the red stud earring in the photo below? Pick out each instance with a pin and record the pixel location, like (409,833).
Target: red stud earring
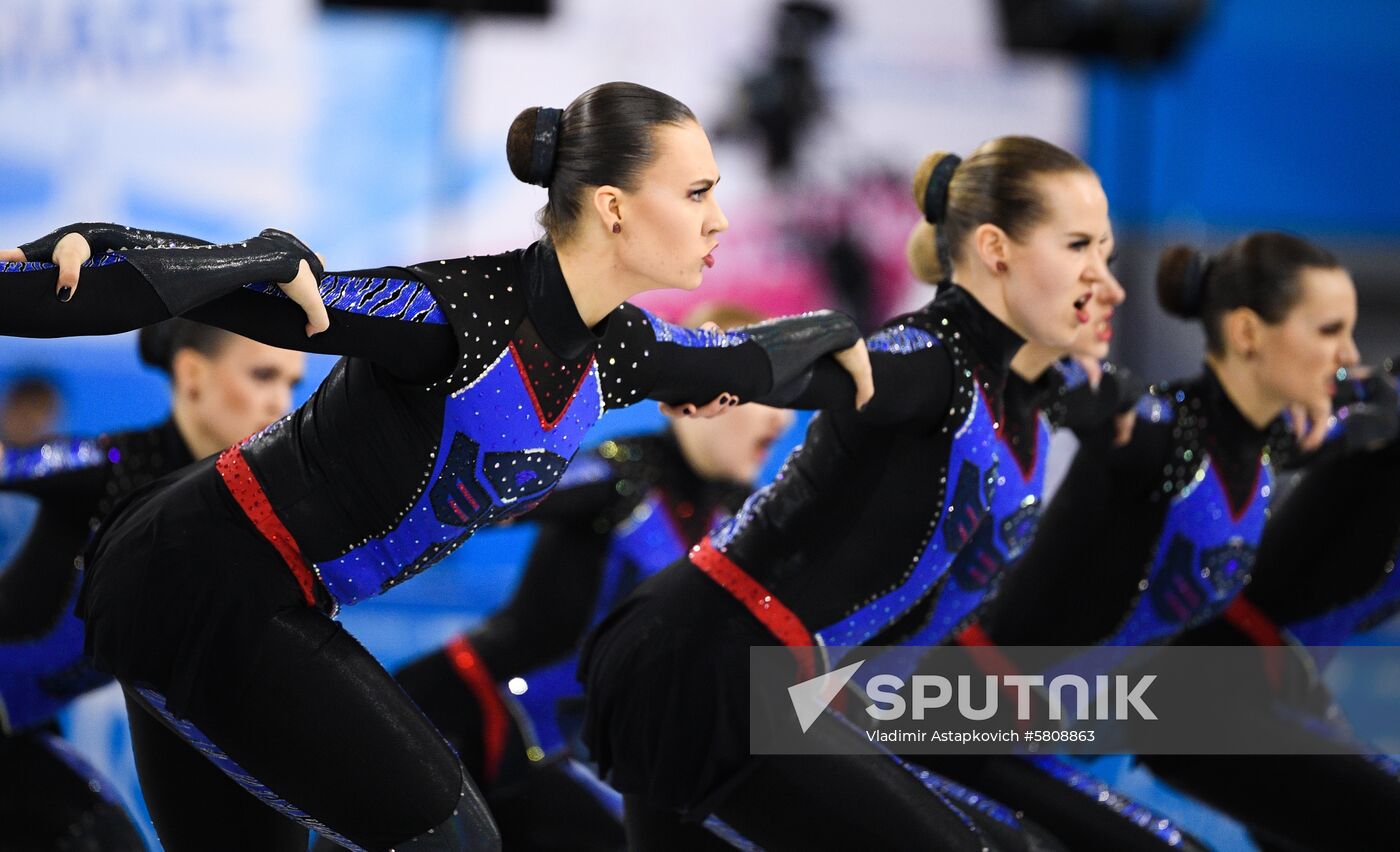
(617,227)
(1001,266)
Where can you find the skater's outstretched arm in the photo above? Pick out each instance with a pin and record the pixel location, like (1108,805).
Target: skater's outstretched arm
(151,277)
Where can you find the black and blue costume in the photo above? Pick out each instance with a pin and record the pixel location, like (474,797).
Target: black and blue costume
(622,512)
(1078,808)
(1324,574)
(51,797)
(1142,544)
(857,531)
(468,387)
(1149,539)
(1061,397)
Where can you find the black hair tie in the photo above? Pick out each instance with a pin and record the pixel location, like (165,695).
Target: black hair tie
(543,145)
(936,193)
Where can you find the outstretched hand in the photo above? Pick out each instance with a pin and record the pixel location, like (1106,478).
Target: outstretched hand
(72,251)
(713,408)
(305,290)
(1311,422)
(856,361)
(69,256)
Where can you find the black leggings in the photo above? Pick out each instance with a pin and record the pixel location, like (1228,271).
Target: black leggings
(1087,815)
(832,801)
(50,800)
(537,806)
(1299,803)
(321,726)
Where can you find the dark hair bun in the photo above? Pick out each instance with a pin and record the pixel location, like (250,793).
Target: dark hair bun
(155,343)
(1181,275)
(158,344)
(605,137)
(531,144)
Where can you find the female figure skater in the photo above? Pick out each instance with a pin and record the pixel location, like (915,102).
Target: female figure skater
(1160,534)
(1321,591)
(820,554)
(470,384)
(1042,393)
(623,511)
(1150,538)
(1325,572)
(222,388)
(1047,387)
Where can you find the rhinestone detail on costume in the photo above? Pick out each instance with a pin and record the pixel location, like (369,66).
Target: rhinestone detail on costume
(969,481)
(1205,551)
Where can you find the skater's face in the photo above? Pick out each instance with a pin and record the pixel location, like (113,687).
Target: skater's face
(733,447)
(670,225)
(1296,359)
(1092,339)
(244,386)
(1052,276)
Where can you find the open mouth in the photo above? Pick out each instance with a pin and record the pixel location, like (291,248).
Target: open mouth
(1103,329)
(1079,307)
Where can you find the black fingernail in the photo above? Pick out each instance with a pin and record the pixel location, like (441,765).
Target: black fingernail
(65,293)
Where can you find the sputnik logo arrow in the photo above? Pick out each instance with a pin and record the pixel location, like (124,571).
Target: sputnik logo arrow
(810,697)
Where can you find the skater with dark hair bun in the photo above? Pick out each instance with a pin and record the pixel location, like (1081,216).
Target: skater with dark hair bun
(469,386)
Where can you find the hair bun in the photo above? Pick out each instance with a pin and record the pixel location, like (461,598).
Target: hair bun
(934,202)
(155,345)
(532,143)
(1181,281)
(921,250)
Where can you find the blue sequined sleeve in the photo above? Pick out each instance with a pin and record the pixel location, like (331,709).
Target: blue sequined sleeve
(74,467)
(387,315)
(385,294)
